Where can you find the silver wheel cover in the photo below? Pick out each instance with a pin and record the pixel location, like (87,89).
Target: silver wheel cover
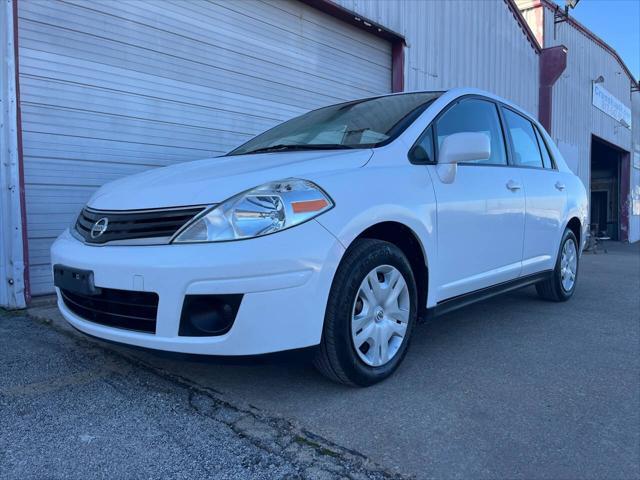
(380,315)
(568,265)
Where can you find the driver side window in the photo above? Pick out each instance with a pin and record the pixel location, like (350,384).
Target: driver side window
(474,115)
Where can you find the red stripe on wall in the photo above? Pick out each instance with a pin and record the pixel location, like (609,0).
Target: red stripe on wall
(397,67)
(23,204)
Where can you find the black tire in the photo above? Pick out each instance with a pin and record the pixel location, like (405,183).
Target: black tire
(336,357)
(552,288)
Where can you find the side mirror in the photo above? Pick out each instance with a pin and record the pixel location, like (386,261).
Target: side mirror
(461,147)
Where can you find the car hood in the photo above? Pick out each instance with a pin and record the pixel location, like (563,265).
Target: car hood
(213,180)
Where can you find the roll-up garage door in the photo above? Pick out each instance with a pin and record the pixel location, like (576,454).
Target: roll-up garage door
(112,88)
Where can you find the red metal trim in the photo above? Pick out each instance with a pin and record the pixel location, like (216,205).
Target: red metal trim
(589,34)
(397,67)
(625,197)
(553,61)
(23,203)
(526,29)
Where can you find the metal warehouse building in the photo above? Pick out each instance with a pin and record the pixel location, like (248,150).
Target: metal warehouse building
(591,117)
(92,91)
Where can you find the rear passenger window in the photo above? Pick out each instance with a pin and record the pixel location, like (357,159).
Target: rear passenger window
(474,116)
(523,137)
(546,158)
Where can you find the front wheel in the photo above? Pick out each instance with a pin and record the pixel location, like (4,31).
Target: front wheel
(562,283)
(370,314)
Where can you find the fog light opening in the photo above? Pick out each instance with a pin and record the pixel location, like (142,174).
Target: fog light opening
(208,315)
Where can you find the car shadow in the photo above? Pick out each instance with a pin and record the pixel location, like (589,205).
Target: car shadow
(430,339)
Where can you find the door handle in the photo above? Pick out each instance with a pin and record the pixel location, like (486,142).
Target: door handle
(560,186)
(513,186)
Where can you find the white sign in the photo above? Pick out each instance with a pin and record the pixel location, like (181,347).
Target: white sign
(605,101)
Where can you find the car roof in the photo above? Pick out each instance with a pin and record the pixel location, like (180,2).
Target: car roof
(453,93)
(458,92)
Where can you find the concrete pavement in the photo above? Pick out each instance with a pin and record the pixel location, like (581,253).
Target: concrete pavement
(70,409)
(514,387)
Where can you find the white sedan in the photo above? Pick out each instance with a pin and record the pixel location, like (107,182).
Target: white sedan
(337,229)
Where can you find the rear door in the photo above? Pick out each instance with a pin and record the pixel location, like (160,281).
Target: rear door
(545,193)
(480,215)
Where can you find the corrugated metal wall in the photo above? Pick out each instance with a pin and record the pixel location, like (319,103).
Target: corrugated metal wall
(575,118)
(454,43)
(111,88)
(634,220)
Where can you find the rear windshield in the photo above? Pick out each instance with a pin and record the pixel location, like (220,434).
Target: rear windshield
(358,124)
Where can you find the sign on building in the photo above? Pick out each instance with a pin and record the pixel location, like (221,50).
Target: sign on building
(605,101)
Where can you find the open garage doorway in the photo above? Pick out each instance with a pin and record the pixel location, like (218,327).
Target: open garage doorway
(609,190)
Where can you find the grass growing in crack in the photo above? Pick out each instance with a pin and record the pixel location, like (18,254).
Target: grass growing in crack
(13,313)
(316,446)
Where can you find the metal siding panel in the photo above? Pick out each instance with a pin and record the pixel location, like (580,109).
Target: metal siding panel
(634,220)
(574,117)
(112,88)
(449,45)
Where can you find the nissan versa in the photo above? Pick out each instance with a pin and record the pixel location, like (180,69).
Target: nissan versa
(337,229)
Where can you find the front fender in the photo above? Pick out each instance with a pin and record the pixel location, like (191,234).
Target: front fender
(408,199)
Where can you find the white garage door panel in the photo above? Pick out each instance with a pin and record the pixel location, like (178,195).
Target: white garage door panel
(238,58)
(260,30)
(53,208)
(72,73)
(39,250)
(39,145)
(45,171)
(57,121)
(137,46)
(112,88)
(65,95)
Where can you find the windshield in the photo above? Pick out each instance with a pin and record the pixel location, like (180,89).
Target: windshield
(358,124)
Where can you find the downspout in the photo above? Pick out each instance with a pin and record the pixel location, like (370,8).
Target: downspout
(553,62)
(397,66)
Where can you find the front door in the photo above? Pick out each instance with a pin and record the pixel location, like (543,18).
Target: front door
(480,215)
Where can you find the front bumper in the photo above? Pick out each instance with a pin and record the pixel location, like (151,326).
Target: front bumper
(285,279)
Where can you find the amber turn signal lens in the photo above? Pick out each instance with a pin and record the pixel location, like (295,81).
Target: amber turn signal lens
(309,206)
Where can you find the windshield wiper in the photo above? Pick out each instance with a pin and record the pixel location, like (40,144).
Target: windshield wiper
(293,147)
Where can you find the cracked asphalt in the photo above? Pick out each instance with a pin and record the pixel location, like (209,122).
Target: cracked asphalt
(513,387)
(70,408)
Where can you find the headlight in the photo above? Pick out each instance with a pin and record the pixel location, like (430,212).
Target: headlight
(265,209)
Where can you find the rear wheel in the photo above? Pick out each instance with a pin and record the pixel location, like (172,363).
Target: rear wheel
(562,283)
(370,315)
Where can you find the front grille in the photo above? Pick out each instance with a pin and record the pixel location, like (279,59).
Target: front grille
(132,225)
(116,308)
